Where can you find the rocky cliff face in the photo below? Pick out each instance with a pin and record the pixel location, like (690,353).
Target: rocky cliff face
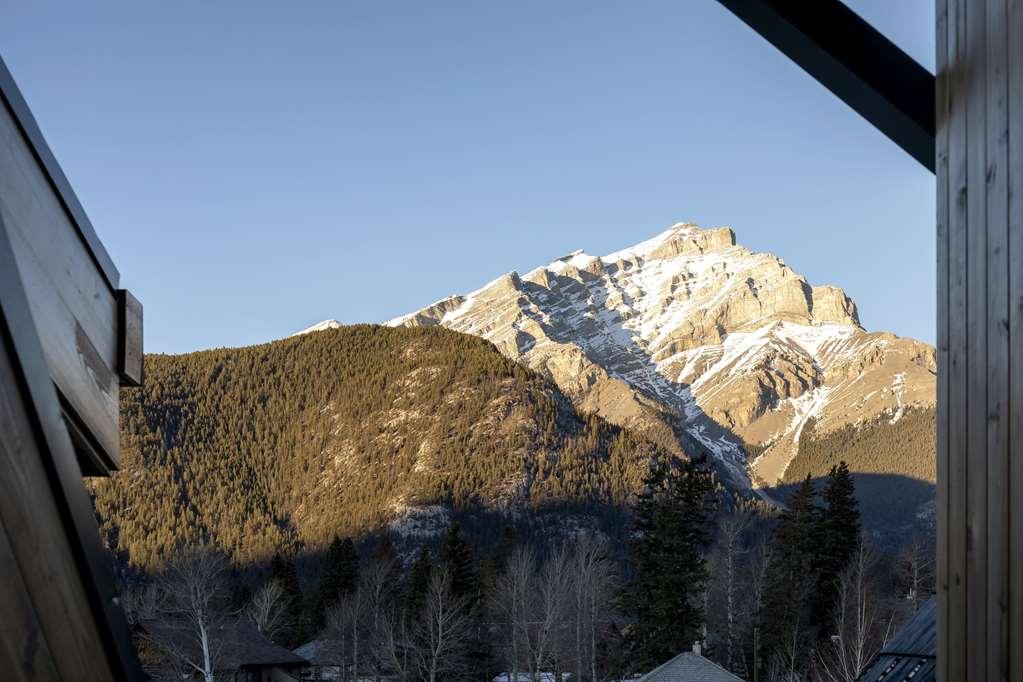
(693,332)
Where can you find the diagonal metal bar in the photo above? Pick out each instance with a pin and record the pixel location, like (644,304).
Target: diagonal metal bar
(855,61)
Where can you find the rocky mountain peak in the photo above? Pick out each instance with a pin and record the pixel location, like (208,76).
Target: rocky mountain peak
(688,330)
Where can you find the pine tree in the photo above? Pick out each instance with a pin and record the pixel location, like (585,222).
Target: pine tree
(339,574)
(383,549)
(787,625)
(458,560)
(417,582)
(465,584)
(282,569)
(839,535)
(672,528)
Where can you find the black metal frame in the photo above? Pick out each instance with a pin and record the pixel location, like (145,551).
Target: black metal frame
(853,60)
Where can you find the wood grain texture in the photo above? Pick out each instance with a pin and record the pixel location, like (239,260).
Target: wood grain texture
(11,98)
(28,512)
(996,224)
(1014,214)
(980,338)
(129,347)
(73,306)
(955,317)
(24,654)
(942,305)
(976,348)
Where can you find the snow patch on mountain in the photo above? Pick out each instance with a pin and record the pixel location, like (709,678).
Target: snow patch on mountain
(319,327)
(691,330)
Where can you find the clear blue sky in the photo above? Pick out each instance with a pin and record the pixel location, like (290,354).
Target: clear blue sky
(255,167)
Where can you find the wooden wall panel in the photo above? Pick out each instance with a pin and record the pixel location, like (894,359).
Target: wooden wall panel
(24,653)
(1013,177)
(980,338)
(29,514)
(952,374)
(996,207)
(942,303)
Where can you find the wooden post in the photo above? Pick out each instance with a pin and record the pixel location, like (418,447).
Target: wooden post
(979,166)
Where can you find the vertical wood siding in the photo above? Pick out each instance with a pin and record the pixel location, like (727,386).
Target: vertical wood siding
(980,338)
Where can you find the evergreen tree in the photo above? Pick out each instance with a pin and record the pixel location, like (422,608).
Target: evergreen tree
(787,625)
(339,574)
(383,549)
(417,582)
(465,584)
(458,560)
(839,535)
(282,569)
(286,410)
(672,528)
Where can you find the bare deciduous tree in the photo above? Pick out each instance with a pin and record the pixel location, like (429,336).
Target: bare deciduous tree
(396,647)
(916,572)
(190,610)
(268,609)
(547,614)
(140,603)
(860,627)
(510,604)
(346,629)
(728,551)
(442,632)
(753,607)
(376,583)
(591,580)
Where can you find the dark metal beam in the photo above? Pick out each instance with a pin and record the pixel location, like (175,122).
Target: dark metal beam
(856,62)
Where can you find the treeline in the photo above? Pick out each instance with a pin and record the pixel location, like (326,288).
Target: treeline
(894,463)
(799,595)
(282,446)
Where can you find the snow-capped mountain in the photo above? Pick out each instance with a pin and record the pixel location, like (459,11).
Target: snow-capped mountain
(319,327)
(691,331)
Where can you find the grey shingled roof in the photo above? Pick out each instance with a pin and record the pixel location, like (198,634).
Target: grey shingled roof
(911,653)
(689,667)
(242,645)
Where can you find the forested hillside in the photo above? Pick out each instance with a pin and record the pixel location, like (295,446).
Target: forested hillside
(287,444)
(893,463)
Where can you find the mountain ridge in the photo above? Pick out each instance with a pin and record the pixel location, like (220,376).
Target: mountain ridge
(692,331)
(351,432)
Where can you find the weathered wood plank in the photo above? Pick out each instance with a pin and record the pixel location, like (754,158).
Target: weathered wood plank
(73,305)
(955,655)
(1014,181)
(30,514)
(976,350)
(55,176)
(129,347)
(24,653)
(996,225)
(942,307)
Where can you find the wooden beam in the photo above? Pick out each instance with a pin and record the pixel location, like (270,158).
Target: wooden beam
(129,339)
(10,95)
(853,60)
(46,510)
